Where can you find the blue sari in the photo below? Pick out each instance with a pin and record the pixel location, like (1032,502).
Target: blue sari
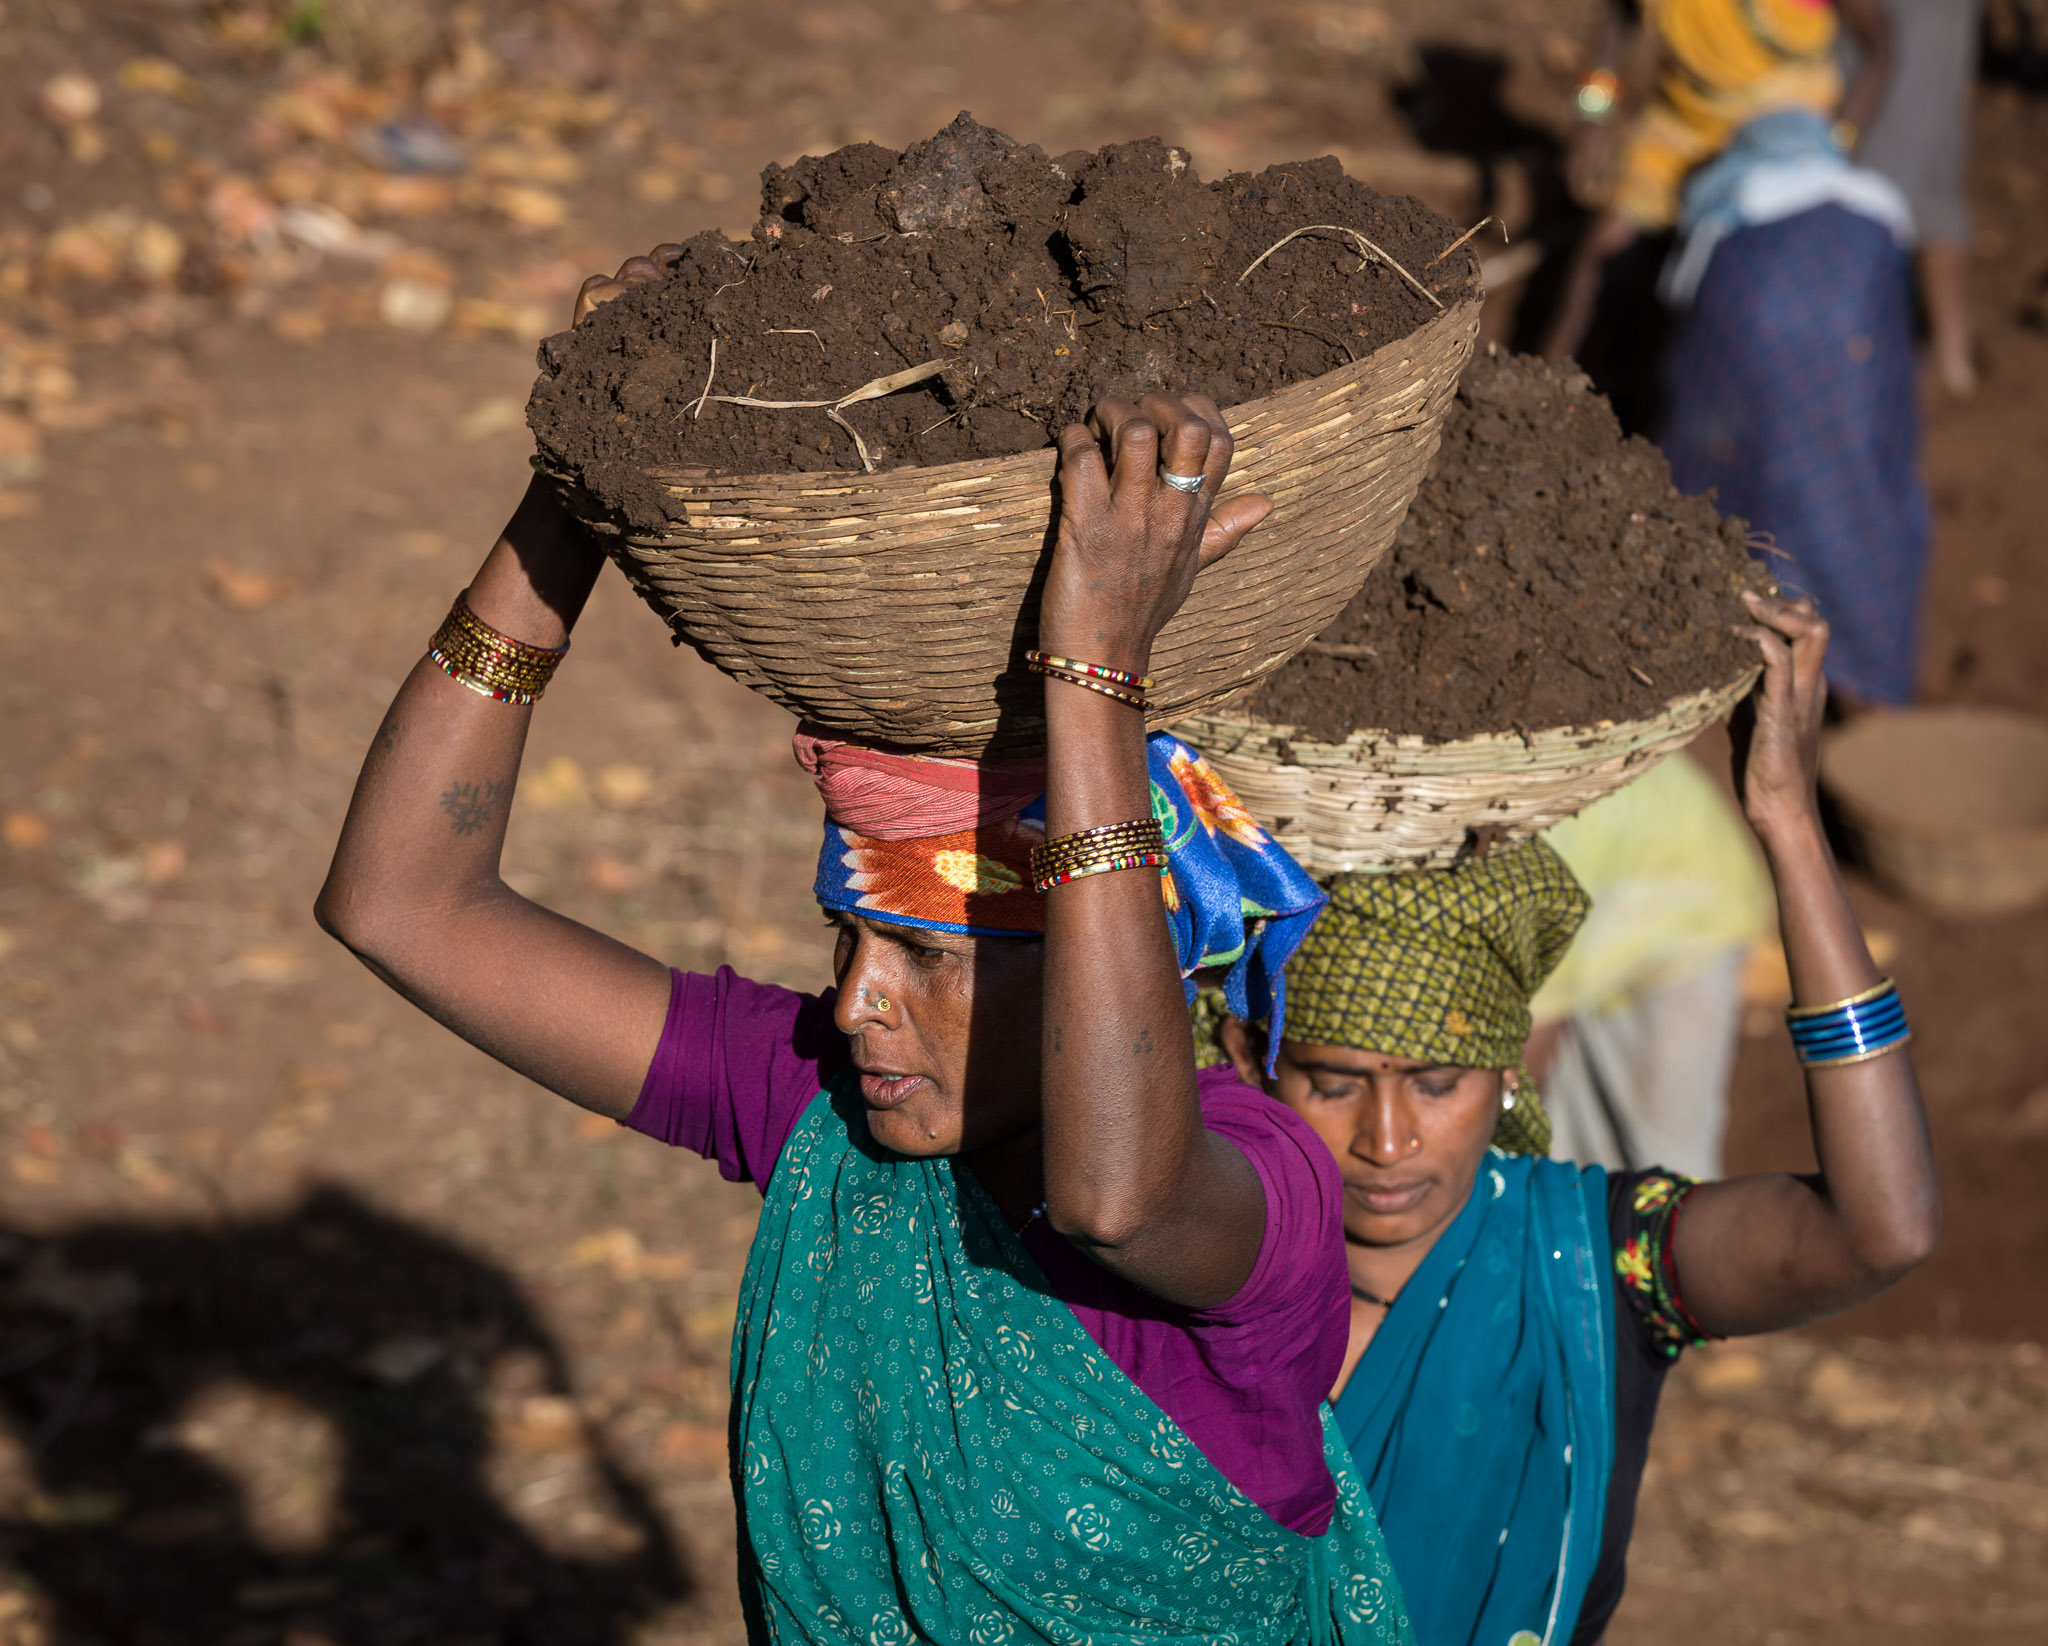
(1482,1415)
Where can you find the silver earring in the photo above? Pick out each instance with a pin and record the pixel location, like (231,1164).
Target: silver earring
(1509,1097)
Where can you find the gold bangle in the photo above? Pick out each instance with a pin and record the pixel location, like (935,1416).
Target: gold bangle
(1133,845)
(1142,834)
(1870,1056)
(490,656)
(463,617)
(1100,671)
(1133,699)
(1835,1006)
(1135,860)
(473,654)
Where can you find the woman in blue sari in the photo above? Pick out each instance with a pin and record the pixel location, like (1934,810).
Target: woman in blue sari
(1513,1316)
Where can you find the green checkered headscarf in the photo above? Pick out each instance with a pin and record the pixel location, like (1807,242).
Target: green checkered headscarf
(1440,964)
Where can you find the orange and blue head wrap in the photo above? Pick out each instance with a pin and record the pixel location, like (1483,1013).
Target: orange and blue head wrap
(946,845)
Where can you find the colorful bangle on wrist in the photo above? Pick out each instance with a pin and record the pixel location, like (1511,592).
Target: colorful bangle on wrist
(1134,845)
(1094,671)
(473,654)
(1855,1030)
(1120,684)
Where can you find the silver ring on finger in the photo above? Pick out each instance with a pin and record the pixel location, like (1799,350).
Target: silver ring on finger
(1189,483)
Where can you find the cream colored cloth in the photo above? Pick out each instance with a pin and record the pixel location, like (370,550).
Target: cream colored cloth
(1651,987)
(1647,1083)
(1676,881)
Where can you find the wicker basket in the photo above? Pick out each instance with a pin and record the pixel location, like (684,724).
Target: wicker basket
(1378,802)
(1948,806)
(897,606)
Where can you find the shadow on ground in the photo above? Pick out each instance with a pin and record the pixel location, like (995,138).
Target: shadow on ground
(329,1428)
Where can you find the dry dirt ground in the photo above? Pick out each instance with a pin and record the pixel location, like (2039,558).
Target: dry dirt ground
(317,1328)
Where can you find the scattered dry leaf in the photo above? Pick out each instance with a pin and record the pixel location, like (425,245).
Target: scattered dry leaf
(25,831)
(68,99)
(557,785)
(608,874)
(269,963)
(624,787)
(243,589)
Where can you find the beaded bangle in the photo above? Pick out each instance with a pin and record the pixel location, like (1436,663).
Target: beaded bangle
(1137,860)
(1082,680)
(1142,834)
(1134,845)
(1041,662)
(1855,1030)
(473,654)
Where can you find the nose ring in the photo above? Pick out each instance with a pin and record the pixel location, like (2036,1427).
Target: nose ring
(1414,1143)
(881,1003)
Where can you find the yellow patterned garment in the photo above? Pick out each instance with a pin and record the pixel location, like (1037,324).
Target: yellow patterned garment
(1676,881)
(1721,64)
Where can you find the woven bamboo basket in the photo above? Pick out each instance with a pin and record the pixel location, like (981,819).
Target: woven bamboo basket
(1379,802)
(896,607)
(1949,807)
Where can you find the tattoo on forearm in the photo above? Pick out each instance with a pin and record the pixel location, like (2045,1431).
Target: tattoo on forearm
(1056,1037)
(387,737)
(1142,1046)
(472,807)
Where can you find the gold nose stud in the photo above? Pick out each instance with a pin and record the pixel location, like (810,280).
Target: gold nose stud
(882,1005)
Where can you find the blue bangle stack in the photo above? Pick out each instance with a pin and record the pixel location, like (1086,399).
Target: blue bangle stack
(1850,1031)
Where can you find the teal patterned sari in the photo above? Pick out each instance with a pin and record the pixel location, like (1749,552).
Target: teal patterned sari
(928,1446)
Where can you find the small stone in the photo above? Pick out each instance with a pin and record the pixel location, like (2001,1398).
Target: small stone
(414,305)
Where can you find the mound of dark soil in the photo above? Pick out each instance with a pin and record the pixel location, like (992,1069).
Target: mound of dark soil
(1042,284)
(1548,574)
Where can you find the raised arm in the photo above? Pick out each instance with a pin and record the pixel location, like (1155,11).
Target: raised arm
(414,889)
(1756,1254)
(1131,1173)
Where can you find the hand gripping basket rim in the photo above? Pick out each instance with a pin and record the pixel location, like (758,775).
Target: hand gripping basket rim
(1381,802)
(896,607)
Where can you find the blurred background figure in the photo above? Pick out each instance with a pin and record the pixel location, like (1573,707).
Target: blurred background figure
(1789,384)
(1707,67)
(1920,139)
(1636,1029)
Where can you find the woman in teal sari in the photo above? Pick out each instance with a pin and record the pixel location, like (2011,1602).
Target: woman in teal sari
(1036,1331)
(1513,1316)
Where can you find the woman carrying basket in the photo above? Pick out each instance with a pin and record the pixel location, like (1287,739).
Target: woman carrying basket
(1512,1316)
(1037,1327)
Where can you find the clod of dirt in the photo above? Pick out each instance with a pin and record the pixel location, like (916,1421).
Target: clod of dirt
(1042,283)
(1548,574)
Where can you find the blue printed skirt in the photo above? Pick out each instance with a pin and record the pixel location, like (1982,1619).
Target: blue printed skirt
(1790,390)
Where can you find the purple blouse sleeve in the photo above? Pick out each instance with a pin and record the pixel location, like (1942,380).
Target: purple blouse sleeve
(738,1064)
(1301,1274)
